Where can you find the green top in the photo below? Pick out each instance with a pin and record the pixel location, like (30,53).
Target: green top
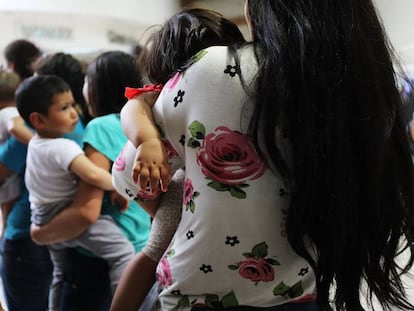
(106,136)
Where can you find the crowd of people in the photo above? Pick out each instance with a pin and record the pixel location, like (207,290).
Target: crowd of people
(272,174)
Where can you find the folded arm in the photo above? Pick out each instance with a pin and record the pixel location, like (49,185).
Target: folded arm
(76,218)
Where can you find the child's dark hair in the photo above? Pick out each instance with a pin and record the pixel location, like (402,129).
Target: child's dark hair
(8,85)
(68,68)
(22,53)
(35,94)
(181,37)
(107,78)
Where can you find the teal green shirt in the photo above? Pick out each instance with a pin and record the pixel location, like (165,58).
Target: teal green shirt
(106,136)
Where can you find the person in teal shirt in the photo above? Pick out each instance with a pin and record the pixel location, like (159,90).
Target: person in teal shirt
(87,282)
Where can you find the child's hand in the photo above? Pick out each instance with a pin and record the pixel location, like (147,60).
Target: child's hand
(151,166)
(117,199)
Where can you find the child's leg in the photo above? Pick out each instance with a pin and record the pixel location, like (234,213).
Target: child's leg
(139,275)
(58,255)
(167,218)
(105,240)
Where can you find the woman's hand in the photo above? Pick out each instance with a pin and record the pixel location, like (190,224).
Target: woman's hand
(119,200)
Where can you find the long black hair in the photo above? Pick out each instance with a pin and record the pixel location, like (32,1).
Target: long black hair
(326,83)
(107,76)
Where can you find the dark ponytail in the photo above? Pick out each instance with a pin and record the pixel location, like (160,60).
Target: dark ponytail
(326,83)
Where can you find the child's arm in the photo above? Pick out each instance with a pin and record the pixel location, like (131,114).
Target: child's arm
(17,128)
(151,161)
(86,170)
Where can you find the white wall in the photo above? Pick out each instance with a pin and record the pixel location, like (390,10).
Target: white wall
(397,16)
(140,11)
(83,25)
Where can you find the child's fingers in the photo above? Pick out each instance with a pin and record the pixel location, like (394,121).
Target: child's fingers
(154,180)
(165,178)
(136,171)
(143,178)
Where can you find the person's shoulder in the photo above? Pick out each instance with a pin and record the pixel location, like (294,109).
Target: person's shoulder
(103,126)
(216,56)
(213,53)
(60,144)
(103,120)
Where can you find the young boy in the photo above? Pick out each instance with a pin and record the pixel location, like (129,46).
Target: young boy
(53,164)
(10,124)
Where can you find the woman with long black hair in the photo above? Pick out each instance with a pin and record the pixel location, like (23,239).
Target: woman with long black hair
(299,181)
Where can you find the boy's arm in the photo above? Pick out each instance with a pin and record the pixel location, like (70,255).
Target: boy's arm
(86,170)
(17,128)
(151,161)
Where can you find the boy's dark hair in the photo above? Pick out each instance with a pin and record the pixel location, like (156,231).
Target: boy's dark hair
(35,94)
(181,37)
(69,69)
(107,77)
(22,53)
(8,85)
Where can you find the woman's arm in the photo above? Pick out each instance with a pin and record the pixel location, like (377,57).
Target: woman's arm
(77,217)
(135,283)
(4,172)
(5,208)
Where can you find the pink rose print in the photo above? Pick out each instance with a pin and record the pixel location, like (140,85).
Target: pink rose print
(171,152)
(256,270)
(120,160)
(188,191)
(164,276)
(173,81)
(228,157)
(189,195)
(256,267)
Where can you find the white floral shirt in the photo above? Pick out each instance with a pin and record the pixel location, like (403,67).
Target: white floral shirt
(230,248)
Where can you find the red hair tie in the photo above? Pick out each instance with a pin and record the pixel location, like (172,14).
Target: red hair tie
(131,92)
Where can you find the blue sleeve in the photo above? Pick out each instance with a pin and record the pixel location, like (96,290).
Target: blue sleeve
(13,155)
